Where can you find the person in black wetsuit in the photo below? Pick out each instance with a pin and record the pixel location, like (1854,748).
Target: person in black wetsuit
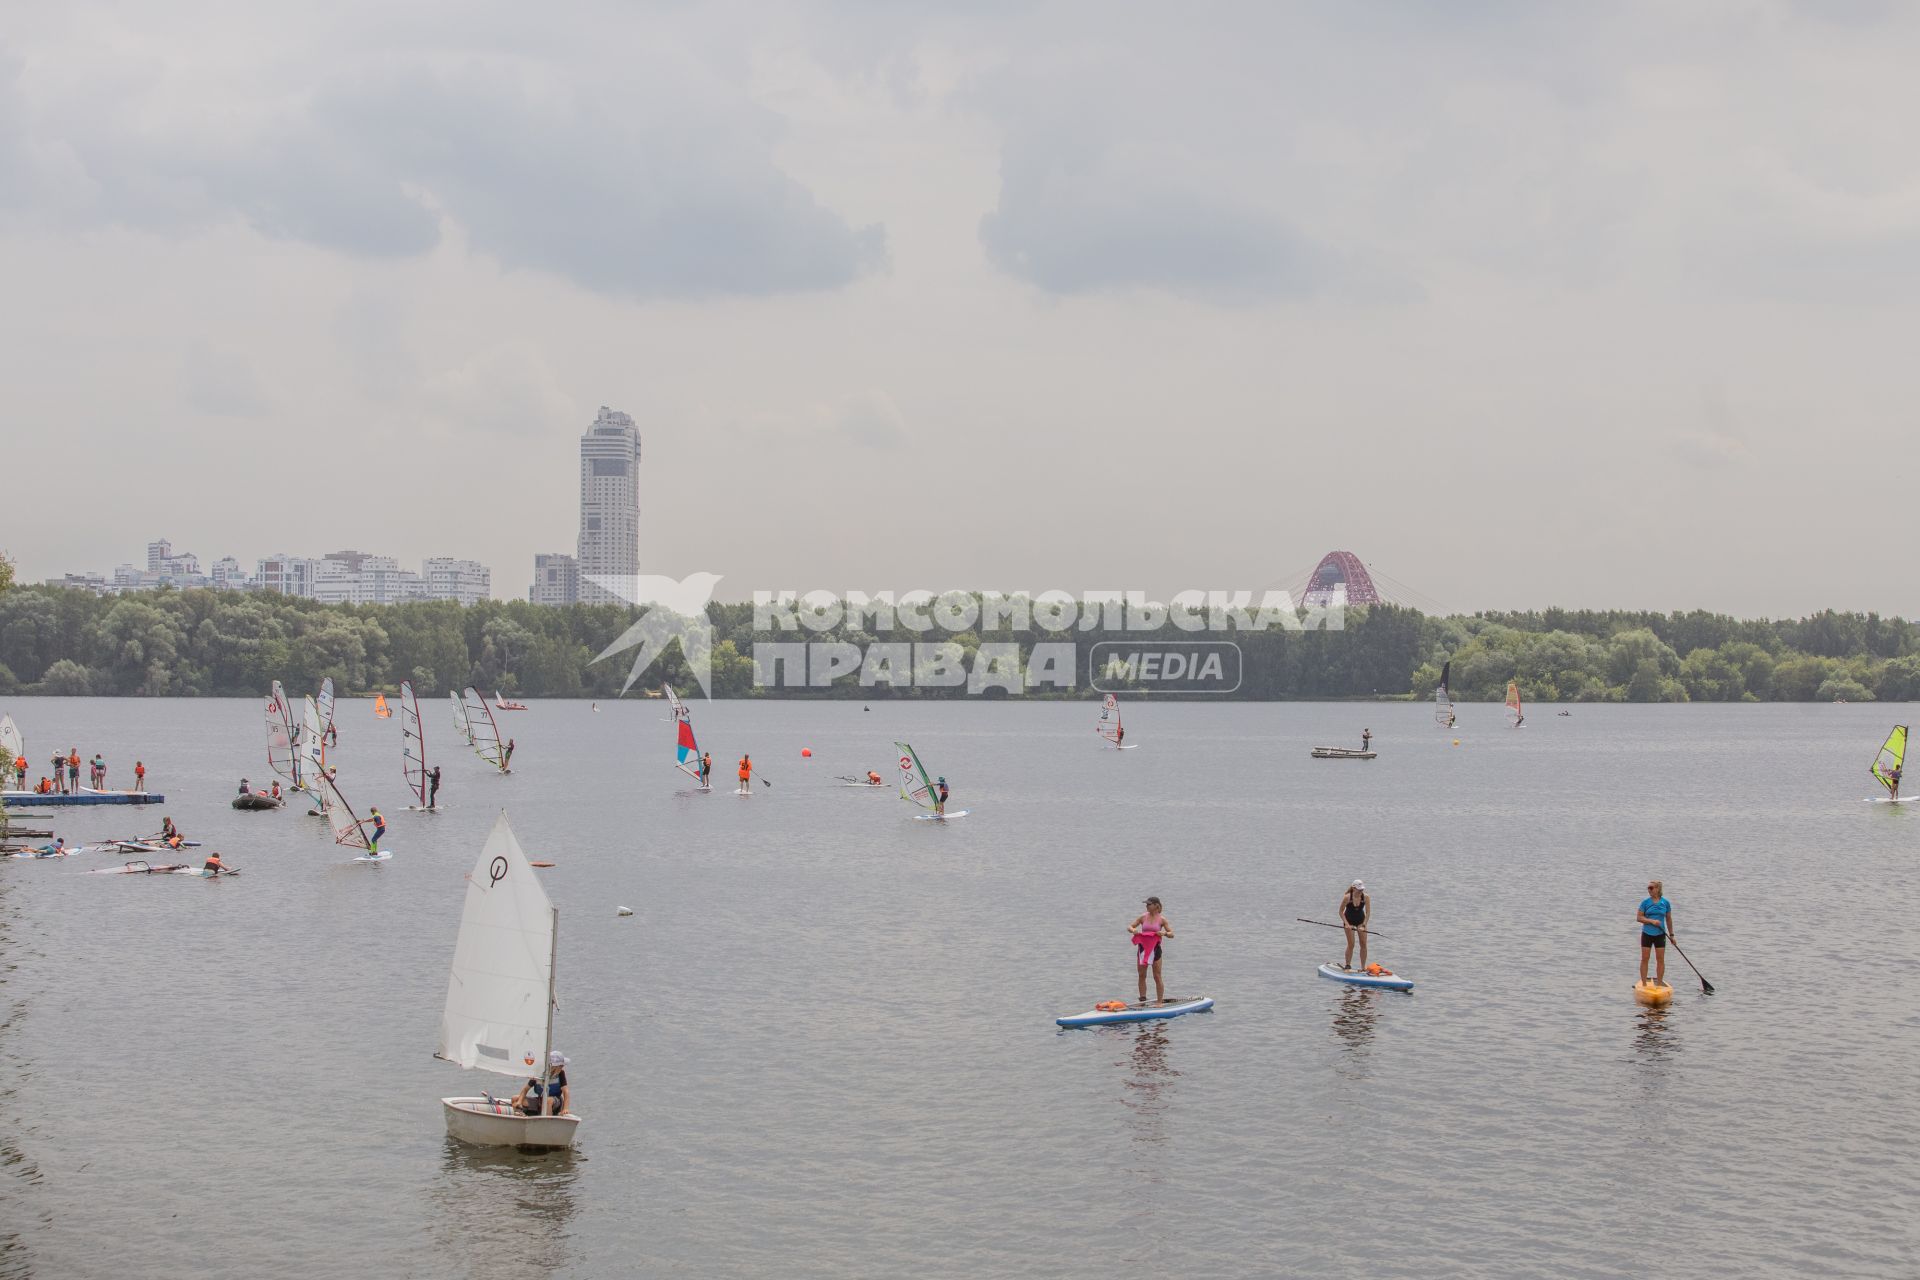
(433,787)
(1356,908)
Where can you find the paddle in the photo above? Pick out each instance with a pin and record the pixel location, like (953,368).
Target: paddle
(1324,925)
(1706,988)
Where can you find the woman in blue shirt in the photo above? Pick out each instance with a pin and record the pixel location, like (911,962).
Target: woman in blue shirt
(1656,926)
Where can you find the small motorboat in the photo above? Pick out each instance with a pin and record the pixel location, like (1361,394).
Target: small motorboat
(502,703)
(258,800)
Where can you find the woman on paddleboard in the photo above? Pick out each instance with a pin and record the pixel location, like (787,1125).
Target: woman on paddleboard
(1150,932)
(1656,926)
(1356,908)
(746,773)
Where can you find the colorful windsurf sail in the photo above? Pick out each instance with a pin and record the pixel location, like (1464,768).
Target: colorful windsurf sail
(1892,759)
(915,785)
(485,733)
(280,755)
(1108,726)
(1514,712)
(413,744)
(380,707)
(1442,699)
(686,751)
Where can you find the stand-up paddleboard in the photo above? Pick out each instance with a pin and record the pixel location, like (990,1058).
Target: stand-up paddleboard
(868,786)
(381,856)
(1135,1013)
(1652,993)
(1384,980)
(941,817)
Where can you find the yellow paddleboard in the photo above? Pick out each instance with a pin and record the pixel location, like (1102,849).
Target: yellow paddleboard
(1652,993)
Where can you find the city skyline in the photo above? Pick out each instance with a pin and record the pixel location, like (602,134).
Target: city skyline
(1525,306)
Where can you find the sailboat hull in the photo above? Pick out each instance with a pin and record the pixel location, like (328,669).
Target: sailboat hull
(485,1123)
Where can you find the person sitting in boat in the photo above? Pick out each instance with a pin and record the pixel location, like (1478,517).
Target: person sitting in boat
(246,788)
(1356,908)
(378,822)
(873,779)
(213,865)
(1150,931)
(275,793)
(940,794)
(553,1098)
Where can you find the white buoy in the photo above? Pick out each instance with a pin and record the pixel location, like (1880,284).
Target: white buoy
(626,911)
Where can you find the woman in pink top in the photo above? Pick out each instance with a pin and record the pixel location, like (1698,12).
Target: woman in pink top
(1150,932)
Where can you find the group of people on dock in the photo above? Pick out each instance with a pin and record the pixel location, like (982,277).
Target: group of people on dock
(63,775)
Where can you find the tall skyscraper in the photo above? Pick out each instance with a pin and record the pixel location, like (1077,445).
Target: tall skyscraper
(556,579)
(609,503)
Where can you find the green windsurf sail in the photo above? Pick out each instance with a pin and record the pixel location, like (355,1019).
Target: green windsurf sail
(1892,758)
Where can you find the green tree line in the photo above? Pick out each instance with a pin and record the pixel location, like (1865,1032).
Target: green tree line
(196,643)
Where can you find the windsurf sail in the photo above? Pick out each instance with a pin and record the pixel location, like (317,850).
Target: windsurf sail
(1514,714)
(12,744)
(280,755)
(312,756)
(1109,724)
(325,703)
(915,785)
(413,744)
(460,724)
(380,707)
(340,815)
(1892,758)
(1442,699)
(686,751)
(485,734)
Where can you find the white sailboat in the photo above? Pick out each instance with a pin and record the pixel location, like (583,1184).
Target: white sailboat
(413,748)
(500,997)
(280,754)
(1109,727)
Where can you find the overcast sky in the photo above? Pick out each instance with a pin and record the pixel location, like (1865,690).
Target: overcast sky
(1598,305)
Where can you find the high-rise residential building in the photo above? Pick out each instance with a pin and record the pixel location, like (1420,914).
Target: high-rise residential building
(227,575)
(556,579)
(158,552)
(467,581)
(609,503)
(288,575)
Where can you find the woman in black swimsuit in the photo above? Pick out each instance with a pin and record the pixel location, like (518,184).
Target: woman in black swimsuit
(1356,908)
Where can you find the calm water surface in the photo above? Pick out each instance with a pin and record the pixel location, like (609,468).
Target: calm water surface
(824,1043)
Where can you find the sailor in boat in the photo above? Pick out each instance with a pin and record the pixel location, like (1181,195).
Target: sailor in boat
(554,1098)
(1356,908)
(246,788)
(433,787)
(940,797)
(1366,739)
(1656,926)
(706,768)
(275,792)
(1150,931)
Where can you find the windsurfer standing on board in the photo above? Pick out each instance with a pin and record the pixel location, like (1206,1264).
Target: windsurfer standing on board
(1893,782)
(940,794)
(1150,931)
(1356,908)
(706,769)
(433,788)
(379,824)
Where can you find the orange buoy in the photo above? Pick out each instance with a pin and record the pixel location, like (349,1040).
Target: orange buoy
(806,753)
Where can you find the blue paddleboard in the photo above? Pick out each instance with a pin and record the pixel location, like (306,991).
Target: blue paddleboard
(1136,1013)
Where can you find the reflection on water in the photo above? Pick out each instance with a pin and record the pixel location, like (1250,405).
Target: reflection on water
(1353,1021)
(1147,1085)
(504,1212)
(18,1172)
(1657,1037)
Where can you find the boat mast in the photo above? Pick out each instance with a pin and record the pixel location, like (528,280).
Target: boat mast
(553,958)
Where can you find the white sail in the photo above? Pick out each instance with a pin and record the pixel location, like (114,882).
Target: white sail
(482,731)
(280,736)
(413,744)
(340,815)
(499,1014)
(915,784)
(1109,725)
(324,702)
(11,742)
(313,751)
(1443,698)
(460,725)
